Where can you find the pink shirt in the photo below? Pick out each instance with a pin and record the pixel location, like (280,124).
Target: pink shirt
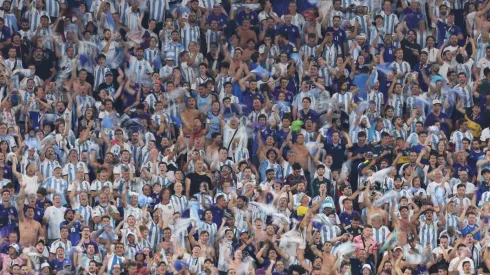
(360,244)
(7,261)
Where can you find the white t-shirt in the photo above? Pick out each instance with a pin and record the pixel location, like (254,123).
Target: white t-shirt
(55,216)
(482,64)
(31,184)
(452,265)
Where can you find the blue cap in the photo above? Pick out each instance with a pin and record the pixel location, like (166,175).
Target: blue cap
(67,263)
(179,265)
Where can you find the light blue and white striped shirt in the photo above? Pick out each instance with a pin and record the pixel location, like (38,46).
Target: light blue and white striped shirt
(428,234)
(190,34)
(457,139)
(60,185)
(180,203)
(157,9)
(381,234)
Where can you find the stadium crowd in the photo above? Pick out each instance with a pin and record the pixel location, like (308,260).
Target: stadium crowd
(308,137)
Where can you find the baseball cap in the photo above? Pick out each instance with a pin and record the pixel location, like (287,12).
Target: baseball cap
(43,265)
(67,263)
(366,266)
(436,101)
(15,246)
(109,72)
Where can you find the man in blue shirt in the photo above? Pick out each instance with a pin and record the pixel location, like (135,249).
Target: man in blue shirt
(8,215)
(306,112)
(339,35)
(445,30)
(249,14)
(219,16)
(292,31)
(218,209)
(73,224)
(4,34)
(438,115)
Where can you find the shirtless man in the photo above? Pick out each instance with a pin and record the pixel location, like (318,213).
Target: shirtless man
(206,250)
(212,149)
(402,224)
(371,210)
(29,229)
(328,258)
(188,116)
(302,153)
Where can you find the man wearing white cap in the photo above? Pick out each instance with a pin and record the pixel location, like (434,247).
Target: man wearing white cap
(166,71)
(438,115)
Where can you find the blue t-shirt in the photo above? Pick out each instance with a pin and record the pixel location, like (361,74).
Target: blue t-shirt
(412,18)
(218,214)
(339,36)
(346,218)
(252,16)
(222,19)
(459,167)
(292,31)
(431,119)
(74,231)
(389,53)
(444,32)
(312,114)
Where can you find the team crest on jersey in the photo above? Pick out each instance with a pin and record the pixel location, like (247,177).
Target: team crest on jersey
(293,30)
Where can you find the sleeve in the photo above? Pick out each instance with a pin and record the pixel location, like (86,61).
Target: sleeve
(453,138)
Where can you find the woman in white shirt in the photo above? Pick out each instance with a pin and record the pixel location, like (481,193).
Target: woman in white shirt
(165,205)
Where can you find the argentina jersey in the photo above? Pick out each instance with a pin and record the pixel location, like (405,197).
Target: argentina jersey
(428,234)
(265,165)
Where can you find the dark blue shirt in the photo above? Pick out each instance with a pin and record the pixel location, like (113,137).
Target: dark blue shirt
(222,19)
(480,189)
(292,31)
(473,158)
(252,16)
(5,213)
(356,265)
(413,17)
(459,167)
(218,214)
(444,32)
(389,53)
(249,250)
(5,34)
(74,231)
(312,114)
(431,119)
(280,7)
(417,68)
(339,36)
(346,218)
(248,99)
(288,94)
(57,265)
(288,48)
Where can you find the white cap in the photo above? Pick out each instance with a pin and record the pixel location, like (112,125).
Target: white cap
(436,101)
